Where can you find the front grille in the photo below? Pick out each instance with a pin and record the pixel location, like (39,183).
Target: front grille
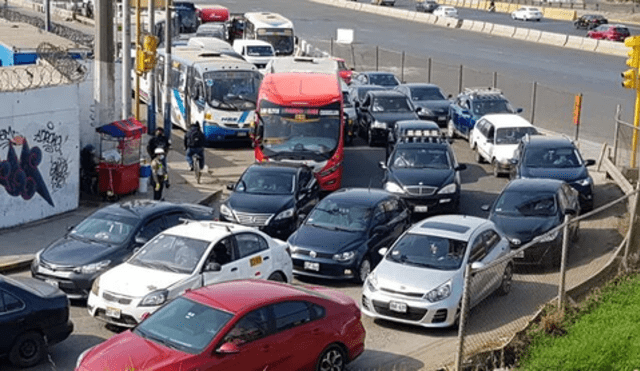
(421,190)
(116,299)
(403,293)
(412,314)
(125,319)
(321,255)
(261,65)
(56,267)
(257,220)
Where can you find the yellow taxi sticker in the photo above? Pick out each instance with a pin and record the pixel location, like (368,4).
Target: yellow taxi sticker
(255,261)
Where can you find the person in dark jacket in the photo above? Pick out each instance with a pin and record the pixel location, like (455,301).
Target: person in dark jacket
(159,174)
(159,141)
(194,142)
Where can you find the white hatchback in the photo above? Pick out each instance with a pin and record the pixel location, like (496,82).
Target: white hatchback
(446,11)
(185,257)
(495,138)
(527,13)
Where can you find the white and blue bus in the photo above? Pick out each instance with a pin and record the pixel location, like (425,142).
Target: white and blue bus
(216,89)
(272,28)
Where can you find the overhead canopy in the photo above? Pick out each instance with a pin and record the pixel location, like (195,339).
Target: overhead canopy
(123,129)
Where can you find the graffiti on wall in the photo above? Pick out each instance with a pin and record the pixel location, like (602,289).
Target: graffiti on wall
(50,141)
(59,172)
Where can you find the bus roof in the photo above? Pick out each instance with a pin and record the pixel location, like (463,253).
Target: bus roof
(268,20)
(293,88)
(207,60)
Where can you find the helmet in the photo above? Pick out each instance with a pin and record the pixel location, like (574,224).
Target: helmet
(159,151)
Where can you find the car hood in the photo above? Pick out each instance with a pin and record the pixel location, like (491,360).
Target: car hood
(504,151)
(569,174)
(392,117)
(328,241)
(259,203)
(429,177)
(69,251)
(132,280)
(408,278)
(523,228)
(439,107)
(128,351)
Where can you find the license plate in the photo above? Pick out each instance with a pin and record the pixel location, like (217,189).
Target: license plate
(398,307)
(420,209)
(113,312)
(255,261)
(242,134)
(519,254)
(441,118)
(52,282)
(312,266)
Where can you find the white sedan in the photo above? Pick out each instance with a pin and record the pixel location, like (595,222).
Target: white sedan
(446,11)
(185,257)
(527,13)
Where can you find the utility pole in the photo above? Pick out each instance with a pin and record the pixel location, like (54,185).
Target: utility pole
(167,70)
(126,59)
(151,103)
(138,48)
(631,81)
(104,81)
(47,15)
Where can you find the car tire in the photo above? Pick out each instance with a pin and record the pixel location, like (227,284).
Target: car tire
(451,131)
(363,270)
(507,278)
(28,350)
(277,277)
(478,156)
(333,358)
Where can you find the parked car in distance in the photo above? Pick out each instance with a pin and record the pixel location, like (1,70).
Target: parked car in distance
(527,13)
(434,105)
(385,79)
(239,325)
(213,29)
(105,239)
(213,13)
(274,197)
(472,104)
(528,208)
(590,21)
(556,158)
(427,6)
(380,110)
(185,257)
(495,138)
(384,2)
(420,279)
(613,32)
(33,316)
(339,238)
(345,72)
(258,52)
(446,11)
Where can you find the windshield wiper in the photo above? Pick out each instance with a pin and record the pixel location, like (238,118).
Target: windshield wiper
(164,342)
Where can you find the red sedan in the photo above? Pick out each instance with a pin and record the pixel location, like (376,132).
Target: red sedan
(613,32)
(239,325)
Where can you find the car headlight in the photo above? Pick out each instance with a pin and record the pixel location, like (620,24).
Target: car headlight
(293,248)
(330,170)
(92,268)
(393,188)
(155,298)
(95,286)
(345,256)
(439,293)
(584,182)
(285,214)
(226,212)
(81,357)
(425,112)
(372,282)
(449,188)
(379,125)
(550,237)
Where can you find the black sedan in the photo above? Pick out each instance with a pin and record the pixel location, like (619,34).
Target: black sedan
(434,106)
(528,208)
(357,93)
(425,173)
(105,239)
(272,197)
(33,315)
(341,236)
(427,6)
(380,110)
(590,21)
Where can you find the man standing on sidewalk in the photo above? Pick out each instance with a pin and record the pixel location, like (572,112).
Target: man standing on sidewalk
(159,174)
(159,140)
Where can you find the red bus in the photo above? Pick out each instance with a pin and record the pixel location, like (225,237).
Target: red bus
(299,119)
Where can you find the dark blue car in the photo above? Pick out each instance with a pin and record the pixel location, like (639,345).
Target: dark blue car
(341,236)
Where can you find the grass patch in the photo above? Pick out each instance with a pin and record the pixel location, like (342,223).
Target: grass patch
(602,334)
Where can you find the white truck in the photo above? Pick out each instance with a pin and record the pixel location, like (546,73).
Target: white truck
(258,52)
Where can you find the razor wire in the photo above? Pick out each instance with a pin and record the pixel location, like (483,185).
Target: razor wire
(18,78)
(62,61)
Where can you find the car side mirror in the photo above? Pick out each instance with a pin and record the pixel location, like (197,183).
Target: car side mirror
(461,167)
(590,162)
(383,251)
(69,228)
(514,161)
(213,267)
(228,348)
(477,265)
(520,110)
(449,96)
(418,109)
(356,104)
(139,240)
(230,186)
(485,207)
(382,165)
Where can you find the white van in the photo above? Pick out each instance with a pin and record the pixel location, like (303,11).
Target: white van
(257,52)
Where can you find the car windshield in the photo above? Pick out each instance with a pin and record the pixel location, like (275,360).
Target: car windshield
(267,183)
(281,39)
(426,94)
(428,251)
(529,203)
(340,215)
(483,107)
(513,135)
(433,158)
(184,325)
(260,51)
(103,227)
(212,31)
(391,104)
(621,30)
(383,80)
(552,158)
(232,90)
(171,253)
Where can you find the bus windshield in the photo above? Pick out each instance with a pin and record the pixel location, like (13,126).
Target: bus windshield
(300,133)
(281,39)
(232,90)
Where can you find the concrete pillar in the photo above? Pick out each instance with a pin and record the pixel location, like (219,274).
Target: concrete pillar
(126,60)
(104,82)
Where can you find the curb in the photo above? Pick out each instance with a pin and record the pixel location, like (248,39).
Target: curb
(21,263)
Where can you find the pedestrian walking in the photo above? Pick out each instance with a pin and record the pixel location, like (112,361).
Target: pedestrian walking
(159,173)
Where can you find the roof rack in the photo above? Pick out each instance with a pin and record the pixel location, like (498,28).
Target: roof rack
(408,139)
(482,90)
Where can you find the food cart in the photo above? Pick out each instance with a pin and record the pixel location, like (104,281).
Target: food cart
(120,148)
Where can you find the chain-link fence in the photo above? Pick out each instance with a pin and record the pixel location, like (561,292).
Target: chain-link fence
(623,151)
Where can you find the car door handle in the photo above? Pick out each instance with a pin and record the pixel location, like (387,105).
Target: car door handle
(234,269)
(266,258)
(316,331)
